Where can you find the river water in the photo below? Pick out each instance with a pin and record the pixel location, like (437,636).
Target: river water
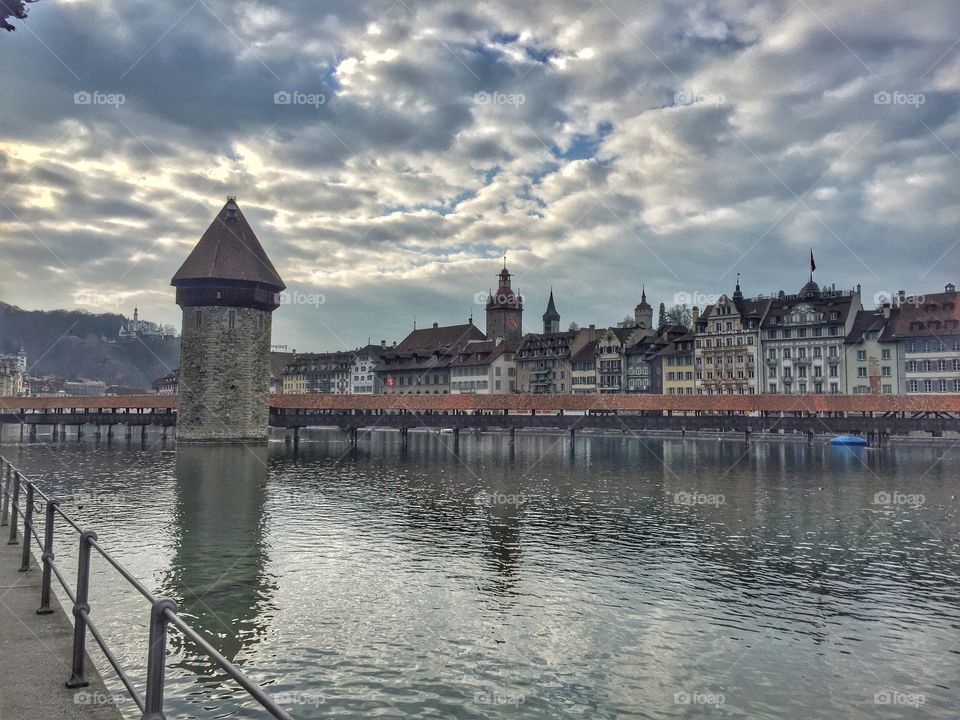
(615,577)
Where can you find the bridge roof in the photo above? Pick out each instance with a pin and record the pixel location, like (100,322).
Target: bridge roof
(525,402)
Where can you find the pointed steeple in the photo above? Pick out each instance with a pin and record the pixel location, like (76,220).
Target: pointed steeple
(551,318)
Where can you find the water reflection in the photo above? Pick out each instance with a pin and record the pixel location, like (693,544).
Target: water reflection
(218,570)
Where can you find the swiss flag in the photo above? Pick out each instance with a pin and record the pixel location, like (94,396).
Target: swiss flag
(813,265)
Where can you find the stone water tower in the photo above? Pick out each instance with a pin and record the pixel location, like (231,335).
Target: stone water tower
(228,290)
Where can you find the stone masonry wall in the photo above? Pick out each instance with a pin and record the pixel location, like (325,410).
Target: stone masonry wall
(224,375)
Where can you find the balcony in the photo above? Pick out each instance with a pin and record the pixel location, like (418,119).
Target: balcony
(788,379)
(834,360)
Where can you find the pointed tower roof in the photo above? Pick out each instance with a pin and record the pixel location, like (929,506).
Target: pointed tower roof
(643,298)
(551,313)
(229,250)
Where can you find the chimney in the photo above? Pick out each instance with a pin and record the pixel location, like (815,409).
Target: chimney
(695,313)
(436,325)
(886,310)
(383,343)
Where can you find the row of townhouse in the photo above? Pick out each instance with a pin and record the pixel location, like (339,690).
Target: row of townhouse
(820,340)
(345,372)
(823,341)
(816,341)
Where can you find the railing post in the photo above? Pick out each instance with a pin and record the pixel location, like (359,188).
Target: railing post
(48,557)
(27,530)
(157,659)
(14,507)
(6,492)
(80,607)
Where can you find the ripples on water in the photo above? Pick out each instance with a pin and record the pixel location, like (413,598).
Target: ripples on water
(532,580)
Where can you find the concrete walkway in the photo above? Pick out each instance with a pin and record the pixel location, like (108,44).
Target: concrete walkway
(35,652)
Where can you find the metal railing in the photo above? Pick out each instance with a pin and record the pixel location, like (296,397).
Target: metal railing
(163,611)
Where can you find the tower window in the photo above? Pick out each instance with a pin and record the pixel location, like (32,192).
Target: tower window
(232,321)
(198,318)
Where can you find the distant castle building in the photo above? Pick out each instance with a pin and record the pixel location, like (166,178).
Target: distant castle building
(13,374)
(137,328)
(228,290)
(505,311)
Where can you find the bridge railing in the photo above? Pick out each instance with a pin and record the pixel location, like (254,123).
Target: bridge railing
(163,611)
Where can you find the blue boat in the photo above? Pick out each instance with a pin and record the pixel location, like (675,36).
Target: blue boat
(848,440)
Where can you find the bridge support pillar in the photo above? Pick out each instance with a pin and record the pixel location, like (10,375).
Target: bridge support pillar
(109,431)
(810,436)
(513,434)
(79,431)
(456,437)
(21,431)
(746,435)
(127,432)
(33,432)
(296,435)
(143,433)
(97,431)
(573,433)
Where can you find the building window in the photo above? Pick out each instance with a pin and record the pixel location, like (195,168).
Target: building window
(885,371)
(862,355)
(861,372)
(232,320)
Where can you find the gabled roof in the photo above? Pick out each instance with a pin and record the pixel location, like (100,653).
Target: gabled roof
(229,250)
(587,353)
(451,337)
(870,321)
(936,315)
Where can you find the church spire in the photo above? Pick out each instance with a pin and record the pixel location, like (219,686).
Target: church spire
(551,318)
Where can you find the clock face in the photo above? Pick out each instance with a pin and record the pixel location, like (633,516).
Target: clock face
(513,321)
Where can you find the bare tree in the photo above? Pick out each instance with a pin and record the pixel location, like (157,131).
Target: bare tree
(680,315)
(16,9)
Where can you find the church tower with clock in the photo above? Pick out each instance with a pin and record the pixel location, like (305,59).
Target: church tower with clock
(504,311)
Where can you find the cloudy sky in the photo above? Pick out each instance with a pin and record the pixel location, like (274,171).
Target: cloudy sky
(388,153)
